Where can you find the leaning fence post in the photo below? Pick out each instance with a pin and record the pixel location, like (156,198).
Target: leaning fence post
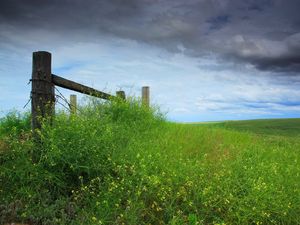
(73,104)
(42,89)
(121,94)
(145,96)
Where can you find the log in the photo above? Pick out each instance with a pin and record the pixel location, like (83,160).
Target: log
(73,104)
(71,85)
(121,94)
(42,89)
(146,96)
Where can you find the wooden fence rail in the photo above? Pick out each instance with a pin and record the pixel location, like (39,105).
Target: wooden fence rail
(71,85)
(43,94)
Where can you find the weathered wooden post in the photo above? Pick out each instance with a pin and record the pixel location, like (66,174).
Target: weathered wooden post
(121,94)
(42,89)
(145,96)
(73,104)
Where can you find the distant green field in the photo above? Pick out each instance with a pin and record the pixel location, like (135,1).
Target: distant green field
(281,127)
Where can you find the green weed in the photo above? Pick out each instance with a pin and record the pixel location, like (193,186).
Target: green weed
(122,163)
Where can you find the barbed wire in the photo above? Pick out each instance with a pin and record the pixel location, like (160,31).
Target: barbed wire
(63,97)
(58,96)
(57,102)
(30,96)
(29,100)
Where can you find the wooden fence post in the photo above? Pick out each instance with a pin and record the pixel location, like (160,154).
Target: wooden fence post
(73,104)
(42,89)
(145,96)
(121,94)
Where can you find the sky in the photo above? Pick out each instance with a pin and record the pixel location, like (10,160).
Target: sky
(204,60)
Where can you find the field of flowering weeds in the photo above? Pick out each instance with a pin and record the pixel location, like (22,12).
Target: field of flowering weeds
(122,163)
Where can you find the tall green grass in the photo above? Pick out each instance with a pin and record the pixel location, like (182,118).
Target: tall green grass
(122,163)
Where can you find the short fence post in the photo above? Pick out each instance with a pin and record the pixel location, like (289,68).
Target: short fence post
(73,104)
(42,89)
(121,94)
(145,96)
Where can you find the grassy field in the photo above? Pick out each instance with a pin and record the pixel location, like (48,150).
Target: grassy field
(277,127)
(120,163)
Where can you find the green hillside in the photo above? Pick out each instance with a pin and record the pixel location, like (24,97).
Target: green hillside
(121,163)
(284,127)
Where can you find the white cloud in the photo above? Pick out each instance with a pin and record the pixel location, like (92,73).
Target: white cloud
(187,88)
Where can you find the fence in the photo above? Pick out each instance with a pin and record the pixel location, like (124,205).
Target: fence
(43,90)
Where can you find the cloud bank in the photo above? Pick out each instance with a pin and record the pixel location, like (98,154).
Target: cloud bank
(265,34)
(204,59)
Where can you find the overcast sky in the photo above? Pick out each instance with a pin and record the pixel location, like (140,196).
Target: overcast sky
(203,59)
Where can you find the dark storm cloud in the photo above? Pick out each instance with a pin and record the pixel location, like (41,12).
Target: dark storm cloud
(218,22)
(263,33)
(67,14)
